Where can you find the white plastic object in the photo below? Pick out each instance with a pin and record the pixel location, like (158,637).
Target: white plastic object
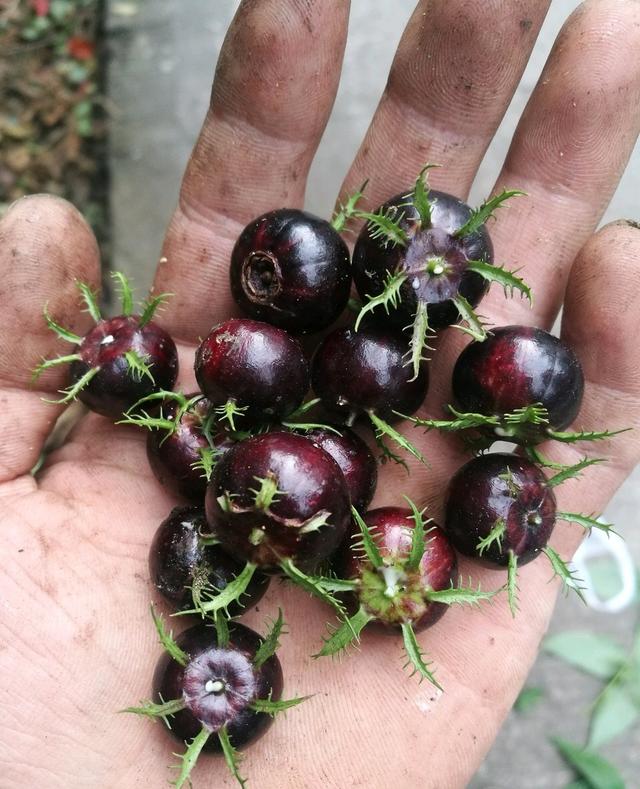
(597,545)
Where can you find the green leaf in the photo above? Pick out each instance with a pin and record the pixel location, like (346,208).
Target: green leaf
(590,652)
(495,535)
(527,699)
(418,341)
(460,595)
(208,600)
(167,640)
(586,521)
(480,215)
(270,643)
(63,333)
(474,327)
(47,364)
(304,408)
(385,225)
(73,391)
(502,276)
(151,306)
(416,657)
(368,543)
(138,366)
(348,633)
(585,435)
(418,534)
(312,586)
(383,428)
(615,712)
(564,572)
(572,472)
(347,211)
(231,756)
(190,756)
(90,299)
(421,197)
(388,298)
(599,773)
(126,294)
(512,584)
(153,710)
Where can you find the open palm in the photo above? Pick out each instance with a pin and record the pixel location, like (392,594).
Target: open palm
(76,641)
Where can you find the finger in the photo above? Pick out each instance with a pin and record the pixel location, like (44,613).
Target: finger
(569,152)
(455,71)
(45,244)
(275,83)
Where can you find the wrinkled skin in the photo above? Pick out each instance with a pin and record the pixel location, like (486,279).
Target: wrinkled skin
(75,626)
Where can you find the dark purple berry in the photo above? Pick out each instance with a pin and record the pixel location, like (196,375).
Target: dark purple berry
(291,269)
(355,459)
(497,505)
(176,457)
(396,593)
(132,361)
(364,371)
(433,258)
(278,496)
(257,368)
(514,368)
(218,684)
(181,559)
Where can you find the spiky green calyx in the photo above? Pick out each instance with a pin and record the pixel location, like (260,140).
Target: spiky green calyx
(415,657)
(347,210)
(389,298)
(565,572)
(271,642)
(384,429)
(479,216)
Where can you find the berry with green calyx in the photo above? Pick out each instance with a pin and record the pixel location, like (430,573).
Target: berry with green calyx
(217,690)
(424,260)
(400,569)
(120,360)
(501,510)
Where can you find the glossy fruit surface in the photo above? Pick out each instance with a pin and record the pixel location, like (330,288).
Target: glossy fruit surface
(260,367)
(291,269)
(354,372)
(356,461)
(174,456)
(504,494)
(181,559)
(393,593)
(516,367)
(278,496)
(434,260)
(217,685)
(117,386)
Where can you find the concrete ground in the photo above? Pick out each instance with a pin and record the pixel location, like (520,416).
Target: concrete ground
(163,55)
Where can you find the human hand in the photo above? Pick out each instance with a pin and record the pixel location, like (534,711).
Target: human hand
(78,643)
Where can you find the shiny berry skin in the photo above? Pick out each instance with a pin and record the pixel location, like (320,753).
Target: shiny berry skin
(115,387)
(217,685)
(291,269)
(356,461)
(497,488)
(354,372)
(180,559)
(393,594)
(305,520)
(258,366)
(515,367)
(434,246)
(172,456)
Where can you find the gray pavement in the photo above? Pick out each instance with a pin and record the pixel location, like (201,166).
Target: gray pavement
(163,55)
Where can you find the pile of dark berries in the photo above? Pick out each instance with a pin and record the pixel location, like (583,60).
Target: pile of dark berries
(270,481)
